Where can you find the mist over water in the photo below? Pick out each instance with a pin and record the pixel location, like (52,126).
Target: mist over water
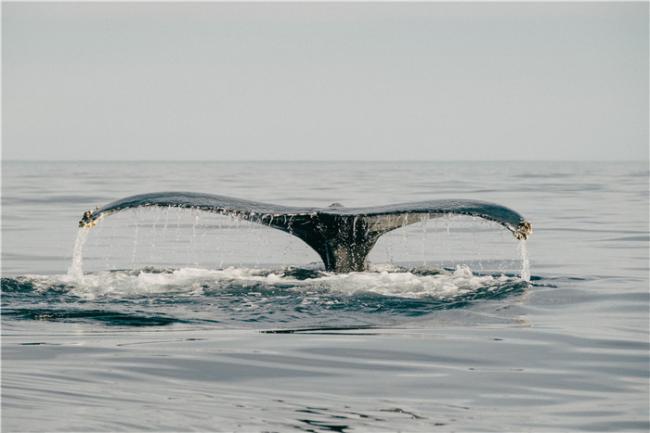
(216,321)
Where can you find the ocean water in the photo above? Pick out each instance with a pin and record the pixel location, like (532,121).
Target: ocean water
(180,320)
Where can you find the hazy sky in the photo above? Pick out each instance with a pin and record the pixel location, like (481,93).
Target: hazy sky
(377,81)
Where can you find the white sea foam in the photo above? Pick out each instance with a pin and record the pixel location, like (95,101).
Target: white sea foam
(409,285)
(384,280)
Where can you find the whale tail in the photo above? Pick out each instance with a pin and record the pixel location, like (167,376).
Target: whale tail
(342,237)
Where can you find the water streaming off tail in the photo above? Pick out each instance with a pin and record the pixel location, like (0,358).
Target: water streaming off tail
(200,239)
(173,237)
(525,262)
(448,241)
(75,271)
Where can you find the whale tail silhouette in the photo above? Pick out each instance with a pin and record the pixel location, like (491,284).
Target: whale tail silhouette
(342,237)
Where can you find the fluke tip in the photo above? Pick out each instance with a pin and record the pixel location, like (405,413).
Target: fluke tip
(524,230)
(87,220)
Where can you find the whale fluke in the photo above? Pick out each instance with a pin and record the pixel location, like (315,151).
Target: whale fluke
(341,236)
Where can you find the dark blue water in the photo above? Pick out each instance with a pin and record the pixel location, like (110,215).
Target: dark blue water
(183,320)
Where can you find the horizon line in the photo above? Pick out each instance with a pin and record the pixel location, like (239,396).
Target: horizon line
(322,160)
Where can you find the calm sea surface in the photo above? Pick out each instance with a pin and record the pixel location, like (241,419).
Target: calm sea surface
(184,320)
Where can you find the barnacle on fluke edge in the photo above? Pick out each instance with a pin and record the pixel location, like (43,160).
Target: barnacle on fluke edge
(87,219)
(524,230)
(342,236)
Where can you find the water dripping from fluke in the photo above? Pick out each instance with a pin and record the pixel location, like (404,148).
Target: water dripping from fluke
(75,271)
(525,262)
(342,237)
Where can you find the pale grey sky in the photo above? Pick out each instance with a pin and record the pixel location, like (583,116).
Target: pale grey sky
(378,81)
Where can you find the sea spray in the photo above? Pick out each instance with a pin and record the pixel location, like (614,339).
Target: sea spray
(525,262)
(75,271)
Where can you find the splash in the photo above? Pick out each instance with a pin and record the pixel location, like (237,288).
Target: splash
(75,271)
(441,285)
(525,262)
(384,281)
(245,297)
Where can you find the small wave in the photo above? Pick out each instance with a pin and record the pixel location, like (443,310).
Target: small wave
(111,318)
